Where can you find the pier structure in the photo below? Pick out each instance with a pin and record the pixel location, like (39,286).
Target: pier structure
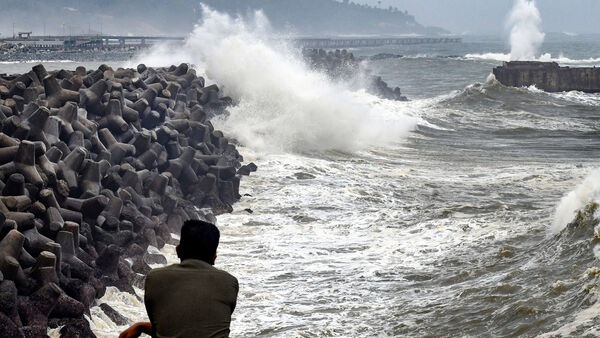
(85,42)
(126,41)
(123,42)
(349,42)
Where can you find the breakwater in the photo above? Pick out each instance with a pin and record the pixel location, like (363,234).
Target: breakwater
(341,64)
(132,41)
(371,41)
(548,76)
(96,166)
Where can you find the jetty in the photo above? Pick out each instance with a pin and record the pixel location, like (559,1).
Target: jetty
(25,40)
(32,43)
(548,76)
(349,42)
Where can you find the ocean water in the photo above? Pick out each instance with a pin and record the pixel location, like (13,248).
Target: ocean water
(444,216)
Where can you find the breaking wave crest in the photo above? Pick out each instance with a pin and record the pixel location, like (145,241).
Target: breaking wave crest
(588,191)
(282,104)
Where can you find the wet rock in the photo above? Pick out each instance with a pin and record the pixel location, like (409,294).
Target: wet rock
(67,307)
(8,301)
(34,309)
(247,169)
(115,316)
(8,327)
(72,327)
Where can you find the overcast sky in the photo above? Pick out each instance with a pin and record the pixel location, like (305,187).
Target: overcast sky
(489,16)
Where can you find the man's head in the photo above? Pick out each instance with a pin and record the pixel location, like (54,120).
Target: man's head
(199,240)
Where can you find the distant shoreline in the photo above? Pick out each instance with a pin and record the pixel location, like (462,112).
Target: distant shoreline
(76,56)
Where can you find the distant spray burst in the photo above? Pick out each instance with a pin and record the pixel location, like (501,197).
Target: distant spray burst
(526,36)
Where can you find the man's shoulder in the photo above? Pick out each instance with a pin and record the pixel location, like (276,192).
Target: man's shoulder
(223,274)
(191,265)
(163,269)
(227,275)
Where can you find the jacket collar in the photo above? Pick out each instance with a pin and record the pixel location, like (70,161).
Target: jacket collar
(196,263)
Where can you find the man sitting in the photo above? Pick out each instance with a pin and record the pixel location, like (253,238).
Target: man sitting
(192,298)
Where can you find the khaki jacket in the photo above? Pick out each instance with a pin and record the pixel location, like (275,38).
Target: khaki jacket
(190,299)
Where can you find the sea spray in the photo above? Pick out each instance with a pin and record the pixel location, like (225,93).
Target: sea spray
(282,105)
(588,191)
(526,36)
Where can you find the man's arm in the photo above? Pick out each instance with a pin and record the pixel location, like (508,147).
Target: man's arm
(236,286)
(136,330)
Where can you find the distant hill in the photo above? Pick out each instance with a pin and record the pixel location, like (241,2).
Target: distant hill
(323,17)
(177,17)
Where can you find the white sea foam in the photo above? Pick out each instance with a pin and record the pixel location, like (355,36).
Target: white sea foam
(579,98)
(282,105)
(545,57)
(488,56)
(319,253)
(582,325)
(586,192)
(526,36)
(561,59)
(130,306)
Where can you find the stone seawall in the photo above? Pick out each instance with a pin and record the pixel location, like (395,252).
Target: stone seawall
(548,76)
(96,167)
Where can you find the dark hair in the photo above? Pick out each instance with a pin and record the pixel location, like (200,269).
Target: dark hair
(199,240)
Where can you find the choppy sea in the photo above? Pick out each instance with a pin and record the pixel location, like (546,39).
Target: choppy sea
(443,216)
